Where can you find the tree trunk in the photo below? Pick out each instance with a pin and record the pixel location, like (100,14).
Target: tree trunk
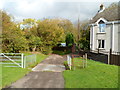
(34,49)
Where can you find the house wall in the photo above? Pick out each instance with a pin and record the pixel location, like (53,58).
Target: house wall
(115,46)
(108,38)
(111,37)
(91,37)
(119,38)
(118,32)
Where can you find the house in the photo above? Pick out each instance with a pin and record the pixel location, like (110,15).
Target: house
(105,30)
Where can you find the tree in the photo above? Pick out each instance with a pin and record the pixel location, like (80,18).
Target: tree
(50,33)
(12,36)
(69,39)
(28,23)
(84,36)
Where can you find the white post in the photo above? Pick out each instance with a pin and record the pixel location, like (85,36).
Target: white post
(22,60)
(70,62)
(113,36)
(93,41)
(25,62)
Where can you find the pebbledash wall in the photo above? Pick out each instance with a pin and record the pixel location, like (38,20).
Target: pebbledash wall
(111,36)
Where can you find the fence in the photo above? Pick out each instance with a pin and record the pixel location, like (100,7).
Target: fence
(71,61)
(107,57)
(29,60)
(114,58)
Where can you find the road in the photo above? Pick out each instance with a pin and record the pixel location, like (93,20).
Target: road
(47,74)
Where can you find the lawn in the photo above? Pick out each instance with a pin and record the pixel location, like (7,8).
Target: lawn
(11,74)
(96,75)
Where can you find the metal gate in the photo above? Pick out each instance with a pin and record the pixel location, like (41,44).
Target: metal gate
(12,59)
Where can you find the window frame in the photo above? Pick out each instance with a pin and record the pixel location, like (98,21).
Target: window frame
(102,46)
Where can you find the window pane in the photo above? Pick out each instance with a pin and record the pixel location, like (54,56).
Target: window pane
(103,43)
(99,43)
(102,27)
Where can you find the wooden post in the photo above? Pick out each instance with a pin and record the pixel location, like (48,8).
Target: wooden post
(85,59)
(110,54)
(109,58)
(98,50)
(72,63)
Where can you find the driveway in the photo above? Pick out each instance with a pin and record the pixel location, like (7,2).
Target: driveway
(47,74)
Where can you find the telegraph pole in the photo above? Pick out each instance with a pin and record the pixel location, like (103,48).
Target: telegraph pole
(78,31)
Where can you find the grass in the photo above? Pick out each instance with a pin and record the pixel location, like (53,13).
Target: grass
(11,74)
(96,75)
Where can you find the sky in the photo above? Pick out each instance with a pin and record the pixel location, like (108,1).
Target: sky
(39,9)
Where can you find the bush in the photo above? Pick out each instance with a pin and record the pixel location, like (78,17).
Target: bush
(46,50)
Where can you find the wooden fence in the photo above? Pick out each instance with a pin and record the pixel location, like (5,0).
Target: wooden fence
(108,57)
(114,58)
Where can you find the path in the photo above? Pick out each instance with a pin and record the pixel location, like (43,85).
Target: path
(47,74)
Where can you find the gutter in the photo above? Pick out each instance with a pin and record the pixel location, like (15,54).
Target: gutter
(115,22)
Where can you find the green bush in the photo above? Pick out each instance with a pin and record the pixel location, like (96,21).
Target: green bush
(46,50)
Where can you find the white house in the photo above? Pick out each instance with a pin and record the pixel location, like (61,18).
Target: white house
(105,29)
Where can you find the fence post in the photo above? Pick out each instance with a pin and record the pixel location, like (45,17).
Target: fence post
(22,60)
(85,59)
(110,54)
(108,57)
(73,63)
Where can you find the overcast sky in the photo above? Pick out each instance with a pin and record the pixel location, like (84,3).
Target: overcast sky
(39,9)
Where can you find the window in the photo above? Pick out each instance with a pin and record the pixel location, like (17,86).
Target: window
(102,27)
(101,43)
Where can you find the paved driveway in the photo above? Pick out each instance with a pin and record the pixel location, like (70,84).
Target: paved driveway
(47,74)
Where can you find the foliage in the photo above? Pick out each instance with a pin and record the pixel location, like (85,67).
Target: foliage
(12,36)
(34,35)
(69,39)
(50,33)
(61,52)
(84,41)
(96,75)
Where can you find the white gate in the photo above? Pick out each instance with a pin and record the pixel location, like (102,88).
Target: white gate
(12,59)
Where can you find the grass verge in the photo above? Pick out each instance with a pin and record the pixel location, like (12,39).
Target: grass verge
(96,75)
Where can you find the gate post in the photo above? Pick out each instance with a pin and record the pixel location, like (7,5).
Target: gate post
(22,60)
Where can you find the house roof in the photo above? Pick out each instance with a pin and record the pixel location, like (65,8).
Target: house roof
(110,14)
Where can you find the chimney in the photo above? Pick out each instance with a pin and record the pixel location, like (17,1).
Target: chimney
(102,8)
